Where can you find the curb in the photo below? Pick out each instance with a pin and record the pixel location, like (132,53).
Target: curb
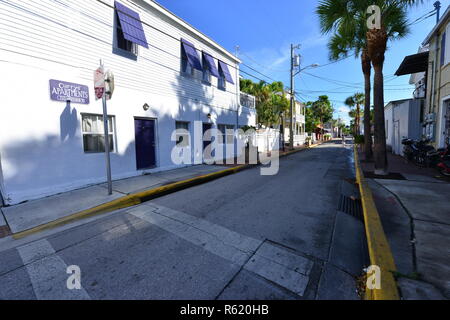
(140,197)
(379,250)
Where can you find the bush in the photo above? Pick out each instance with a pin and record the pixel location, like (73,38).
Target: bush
(359,139)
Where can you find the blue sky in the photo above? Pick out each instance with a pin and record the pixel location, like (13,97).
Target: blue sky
(264,30)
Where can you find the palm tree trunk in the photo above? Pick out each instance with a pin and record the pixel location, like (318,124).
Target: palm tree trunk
(376,46)
(366,67)
(380,155)
(358,119)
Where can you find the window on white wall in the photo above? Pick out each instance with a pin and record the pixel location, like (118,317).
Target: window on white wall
(445,46)
(93,133)
(222,82)
(122,42)
(186,67)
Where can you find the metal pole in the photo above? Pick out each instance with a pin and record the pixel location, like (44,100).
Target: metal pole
(291,125)
(106,131)
(238,100)
(437,6)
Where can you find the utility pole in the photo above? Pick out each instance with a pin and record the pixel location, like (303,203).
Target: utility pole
(238,98)
(294,64)
(437,6)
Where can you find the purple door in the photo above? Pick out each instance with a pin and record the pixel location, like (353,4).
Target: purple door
(206,137)
(145,143)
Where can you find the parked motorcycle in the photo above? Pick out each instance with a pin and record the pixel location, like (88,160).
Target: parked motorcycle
(444,164)
(444,168)
(420,152)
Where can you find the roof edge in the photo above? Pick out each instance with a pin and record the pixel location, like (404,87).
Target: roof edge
(441,21)
(155,5)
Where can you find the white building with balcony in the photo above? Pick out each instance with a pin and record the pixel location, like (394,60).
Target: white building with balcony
(299,125)
(168,76)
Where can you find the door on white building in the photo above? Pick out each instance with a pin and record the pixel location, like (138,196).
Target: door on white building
(145,143)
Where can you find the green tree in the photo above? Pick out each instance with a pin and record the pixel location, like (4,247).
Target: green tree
(270,98)
(310,118)
(318,113)
(355,101)
(349,19)
(349,37)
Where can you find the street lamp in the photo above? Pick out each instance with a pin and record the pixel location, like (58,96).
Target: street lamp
(294,64)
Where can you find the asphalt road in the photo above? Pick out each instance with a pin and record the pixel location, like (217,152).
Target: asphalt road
(245,236)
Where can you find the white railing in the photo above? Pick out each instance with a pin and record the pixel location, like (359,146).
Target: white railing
(248,100)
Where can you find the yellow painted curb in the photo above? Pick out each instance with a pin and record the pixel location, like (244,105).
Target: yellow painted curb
(137,198)
(129,201)
(379,250)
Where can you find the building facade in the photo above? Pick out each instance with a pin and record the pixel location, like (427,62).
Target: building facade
(299,125)
(168,76)
(430,73)
(437,102)
(402,121)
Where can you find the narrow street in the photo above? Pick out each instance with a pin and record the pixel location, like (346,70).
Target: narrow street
(245,236)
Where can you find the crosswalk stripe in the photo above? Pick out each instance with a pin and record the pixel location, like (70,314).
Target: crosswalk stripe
(48,272)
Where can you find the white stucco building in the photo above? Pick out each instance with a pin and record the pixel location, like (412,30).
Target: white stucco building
(167,75)
(402,121)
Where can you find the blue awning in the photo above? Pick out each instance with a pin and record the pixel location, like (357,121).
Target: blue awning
(223,66)
(191,54)
(211,64)
(131,24)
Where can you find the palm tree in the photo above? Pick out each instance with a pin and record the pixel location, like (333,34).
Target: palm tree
(356,100)
(270,100)
(348,19)
(393,26)
(349,36)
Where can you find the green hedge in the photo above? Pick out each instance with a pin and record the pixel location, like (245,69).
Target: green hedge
(359,139)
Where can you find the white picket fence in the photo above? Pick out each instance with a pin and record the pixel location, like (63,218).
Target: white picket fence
(267,140)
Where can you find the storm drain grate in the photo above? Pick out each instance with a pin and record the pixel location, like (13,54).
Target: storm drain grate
(351,207)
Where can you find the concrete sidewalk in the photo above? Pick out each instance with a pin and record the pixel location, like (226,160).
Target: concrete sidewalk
(38,212)
(34,216)
(415,216)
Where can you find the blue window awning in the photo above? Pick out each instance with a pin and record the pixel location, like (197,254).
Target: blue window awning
(211,64)
(191,54)
(131,24)
(223,66)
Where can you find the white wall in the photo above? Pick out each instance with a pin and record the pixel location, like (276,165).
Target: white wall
(40,140)
(389,124)
(398,117)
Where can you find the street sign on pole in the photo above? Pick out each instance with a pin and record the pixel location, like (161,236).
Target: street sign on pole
(109,84)
(99,84)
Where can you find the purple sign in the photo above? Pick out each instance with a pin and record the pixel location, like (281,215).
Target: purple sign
(66,91)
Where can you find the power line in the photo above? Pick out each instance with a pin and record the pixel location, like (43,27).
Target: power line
(100,40)
(260,65)
(157,29)
(259,72)
(333,62)
(424,17)
(179,40)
